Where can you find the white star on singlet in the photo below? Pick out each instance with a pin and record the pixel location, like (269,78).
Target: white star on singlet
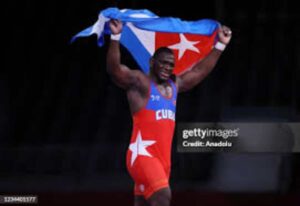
(139,147)
(184,45)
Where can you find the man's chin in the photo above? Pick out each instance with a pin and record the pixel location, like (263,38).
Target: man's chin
(163,79)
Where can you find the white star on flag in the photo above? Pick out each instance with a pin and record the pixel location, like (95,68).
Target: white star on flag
(184,45)
(139,147)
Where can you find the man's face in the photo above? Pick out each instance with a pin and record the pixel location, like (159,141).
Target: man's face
(163,66)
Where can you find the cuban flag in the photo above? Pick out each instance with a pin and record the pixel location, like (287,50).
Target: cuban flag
(144,32)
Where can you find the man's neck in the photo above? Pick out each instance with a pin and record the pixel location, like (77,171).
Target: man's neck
(157,80)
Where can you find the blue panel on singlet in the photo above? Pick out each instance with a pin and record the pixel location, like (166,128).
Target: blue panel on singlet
(157,101)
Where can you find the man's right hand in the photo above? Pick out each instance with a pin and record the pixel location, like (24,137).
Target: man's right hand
(115,26)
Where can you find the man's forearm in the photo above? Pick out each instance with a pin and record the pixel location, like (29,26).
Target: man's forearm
(203,68)
(113,59)
(207,64)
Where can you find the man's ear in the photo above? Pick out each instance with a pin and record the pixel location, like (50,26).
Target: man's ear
(151,62)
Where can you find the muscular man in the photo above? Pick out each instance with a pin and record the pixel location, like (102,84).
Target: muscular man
(152,101)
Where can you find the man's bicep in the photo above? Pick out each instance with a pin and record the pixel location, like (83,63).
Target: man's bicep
(190,79)
(122,77)
(127,78)
(185,81)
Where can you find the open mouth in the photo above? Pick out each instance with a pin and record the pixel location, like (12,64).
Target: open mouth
(164,75)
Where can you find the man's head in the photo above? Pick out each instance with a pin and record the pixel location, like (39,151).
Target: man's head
(162,63)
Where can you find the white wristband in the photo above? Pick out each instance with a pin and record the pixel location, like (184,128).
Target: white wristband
(220,46)
(115,37)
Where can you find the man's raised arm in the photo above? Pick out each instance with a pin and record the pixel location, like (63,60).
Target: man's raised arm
(121,74)
(201,69)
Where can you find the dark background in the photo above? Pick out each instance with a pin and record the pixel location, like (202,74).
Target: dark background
(65,127)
